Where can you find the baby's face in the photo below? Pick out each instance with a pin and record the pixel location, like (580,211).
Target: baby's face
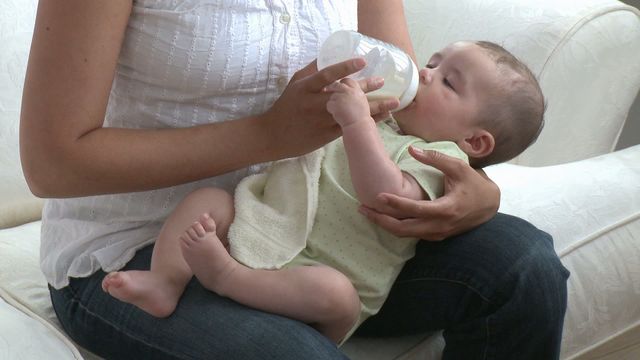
(452,87)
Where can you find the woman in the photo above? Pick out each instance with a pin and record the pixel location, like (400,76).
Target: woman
(124,112)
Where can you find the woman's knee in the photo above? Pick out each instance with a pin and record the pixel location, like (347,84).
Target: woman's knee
(533,277)
(543,286)
(502,259)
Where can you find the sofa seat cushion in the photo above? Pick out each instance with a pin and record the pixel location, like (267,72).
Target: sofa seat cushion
(25,307)
(43,340)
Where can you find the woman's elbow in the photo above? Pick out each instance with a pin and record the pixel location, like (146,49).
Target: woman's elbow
(35,178)
(41,171)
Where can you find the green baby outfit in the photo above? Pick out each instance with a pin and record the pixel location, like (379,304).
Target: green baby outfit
(337,235)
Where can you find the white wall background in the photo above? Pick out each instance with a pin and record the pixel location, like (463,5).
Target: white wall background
(631,132)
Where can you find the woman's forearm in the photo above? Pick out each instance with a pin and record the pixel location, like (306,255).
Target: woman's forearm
(65,150)
(110,160)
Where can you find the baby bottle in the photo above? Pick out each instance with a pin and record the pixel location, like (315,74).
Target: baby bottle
(384,60)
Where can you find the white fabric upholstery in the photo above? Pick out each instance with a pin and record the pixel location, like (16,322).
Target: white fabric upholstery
(25,306)
(42,342)
(17,205)
(24,299)
(587,54)
(595,221)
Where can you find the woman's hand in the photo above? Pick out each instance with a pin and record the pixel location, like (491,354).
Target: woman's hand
(298,122)
(469,200)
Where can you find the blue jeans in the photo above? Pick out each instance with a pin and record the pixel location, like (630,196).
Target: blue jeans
(499,291)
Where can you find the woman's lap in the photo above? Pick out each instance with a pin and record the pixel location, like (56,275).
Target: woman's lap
(204,326)
(499,291)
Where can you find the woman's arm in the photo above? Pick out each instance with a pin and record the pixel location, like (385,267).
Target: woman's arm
(372,171)
(385,20)
(66,151)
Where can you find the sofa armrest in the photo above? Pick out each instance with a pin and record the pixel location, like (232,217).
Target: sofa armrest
(573,201)
(592,210)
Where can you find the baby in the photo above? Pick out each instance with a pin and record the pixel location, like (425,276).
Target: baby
(475,101)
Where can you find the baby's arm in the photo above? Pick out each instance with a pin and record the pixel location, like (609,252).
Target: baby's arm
(372,171)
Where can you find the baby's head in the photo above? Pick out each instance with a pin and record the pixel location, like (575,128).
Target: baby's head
(480,96)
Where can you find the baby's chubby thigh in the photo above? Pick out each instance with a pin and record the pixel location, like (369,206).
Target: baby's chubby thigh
(334,300)
(368,256)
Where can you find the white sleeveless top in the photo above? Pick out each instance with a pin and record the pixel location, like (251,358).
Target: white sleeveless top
(184,63)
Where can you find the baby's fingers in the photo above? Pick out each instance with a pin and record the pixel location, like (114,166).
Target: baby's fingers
(381,108)
(335,86)
(371,84)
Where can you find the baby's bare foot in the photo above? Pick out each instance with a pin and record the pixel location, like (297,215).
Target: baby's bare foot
(144,289)
(207,255)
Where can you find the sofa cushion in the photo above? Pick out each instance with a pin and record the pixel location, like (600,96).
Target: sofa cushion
(43,340)
(25,300)
(20,275)
(25,306)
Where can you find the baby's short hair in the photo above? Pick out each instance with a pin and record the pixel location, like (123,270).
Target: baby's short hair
(515,112)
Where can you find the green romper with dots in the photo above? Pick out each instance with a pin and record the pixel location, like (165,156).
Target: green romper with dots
(344,239)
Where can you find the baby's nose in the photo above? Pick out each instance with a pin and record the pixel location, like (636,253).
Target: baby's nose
(425,75)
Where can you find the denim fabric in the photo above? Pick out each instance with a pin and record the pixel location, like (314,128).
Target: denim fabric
(204,326)
(499,291)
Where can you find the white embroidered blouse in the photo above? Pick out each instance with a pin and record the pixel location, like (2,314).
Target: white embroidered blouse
(184,63)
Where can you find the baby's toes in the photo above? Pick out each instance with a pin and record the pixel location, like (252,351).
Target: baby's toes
(187,240)
(197,228)
(195,232)
(111,279)
(208,223)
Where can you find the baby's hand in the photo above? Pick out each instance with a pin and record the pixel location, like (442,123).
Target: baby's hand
(348,103)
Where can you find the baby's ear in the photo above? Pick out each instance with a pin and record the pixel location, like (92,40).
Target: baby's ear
(480,144)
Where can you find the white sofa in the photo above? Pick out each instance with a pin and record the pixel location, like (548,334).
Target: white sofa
(570,183)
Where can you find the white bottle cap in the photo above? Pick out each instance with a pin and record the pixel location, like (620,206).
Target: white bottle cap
(410,93)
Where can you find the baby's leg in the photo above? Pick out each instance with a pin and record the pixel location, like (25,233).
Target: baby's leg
(158,290)
(318,295)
